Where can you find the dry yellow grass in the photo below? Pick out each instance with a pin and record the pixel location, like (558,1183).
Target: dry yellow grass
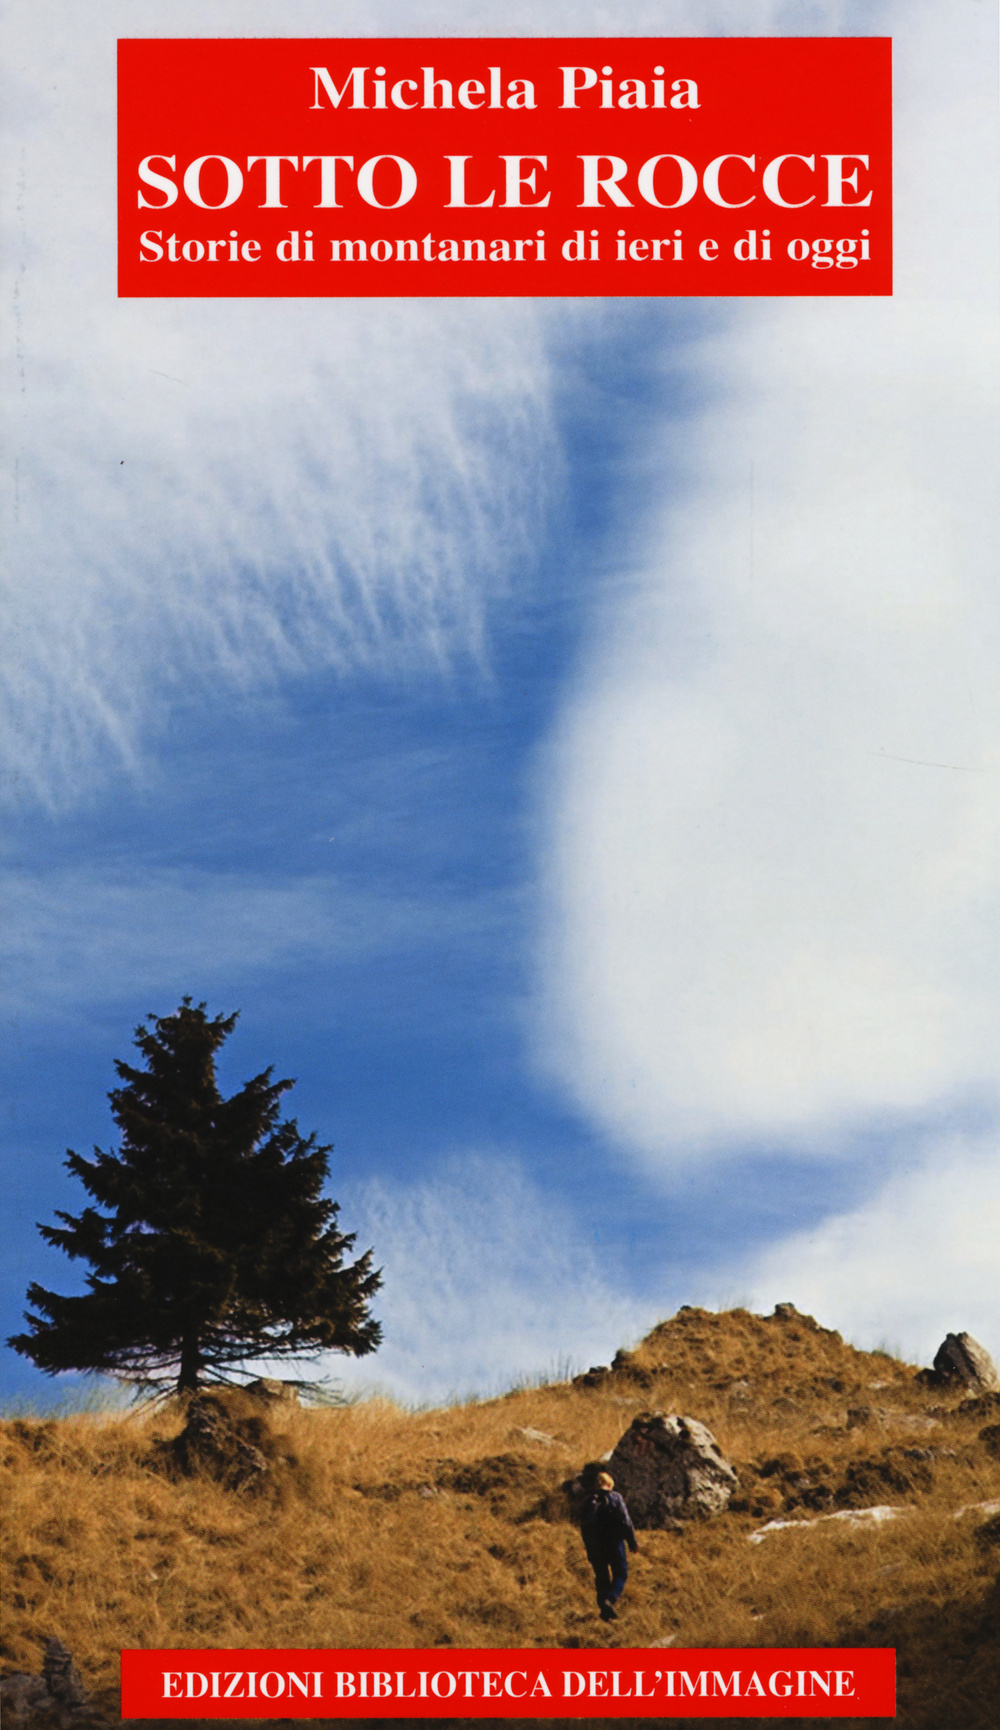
(384,1528)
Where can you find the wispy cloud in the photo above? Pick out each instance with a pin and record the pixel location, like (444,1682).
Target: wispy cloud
(486,1281)
(355,499)
(208,494)
(76,937)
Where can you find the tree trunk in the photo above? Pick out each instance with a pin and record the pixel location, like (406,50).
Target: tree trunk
(187,1381)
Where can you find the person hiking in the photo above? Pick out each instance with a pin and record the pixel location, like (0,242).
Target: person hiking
(606,1528)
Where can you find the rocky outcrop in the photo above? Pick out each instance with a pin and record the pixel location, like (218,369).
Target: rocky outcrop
(961,1358)
(221,1441)
(55,1700)
(271,1388)
(670,1469)
(595,1377)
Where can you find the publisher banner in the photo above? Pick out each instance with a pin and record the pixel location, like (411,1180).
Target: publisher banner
(505,166)
(820,1682)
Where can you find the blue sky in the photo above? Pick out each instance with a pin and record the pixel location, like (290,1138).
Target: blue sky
(567,733)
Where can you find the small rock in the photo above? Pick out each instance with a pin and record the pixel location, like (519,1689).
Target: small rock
(24,1699)
(270,1388)
(62,1678)
(961,1358)
(594,1377)
(55,1700)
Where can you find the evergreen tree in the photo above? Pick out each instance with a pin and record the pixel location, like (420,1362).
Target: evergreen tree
(211,1242)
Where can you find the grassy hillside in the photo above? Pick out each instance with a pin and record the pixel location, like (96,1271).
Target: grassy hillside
(377,1527)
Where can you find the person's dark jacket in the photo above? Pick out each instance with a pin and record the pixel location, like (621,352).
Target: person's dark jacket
(605,1523)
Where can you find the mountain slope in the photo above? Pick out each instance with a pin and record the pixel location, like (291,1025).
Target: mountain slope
(377,1527)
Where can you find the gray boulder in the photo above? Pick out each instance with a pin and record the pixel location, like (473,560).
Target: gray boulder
(24,1699)
(670,1469)
(55,1700)
(62,1678)
(961,1358)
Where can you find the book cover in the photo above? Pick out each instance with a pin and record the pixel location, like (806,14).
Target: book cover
(527,641)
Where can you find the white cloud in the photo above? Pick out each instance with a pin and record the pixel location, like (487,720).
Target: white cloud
(776,795)
(913,1263)
(486,1281)
(74,937)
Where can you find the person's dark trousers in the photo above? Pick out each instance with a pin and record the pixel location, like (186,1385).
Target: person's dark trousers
(610,1565)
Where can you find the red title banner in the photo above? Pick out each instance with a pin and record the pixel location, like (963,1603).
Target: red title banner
(755,1683)
(505,166)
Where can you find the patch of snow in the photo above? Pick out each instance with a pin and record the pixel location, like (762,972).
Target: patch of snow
(987,1508)
(853,1516)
